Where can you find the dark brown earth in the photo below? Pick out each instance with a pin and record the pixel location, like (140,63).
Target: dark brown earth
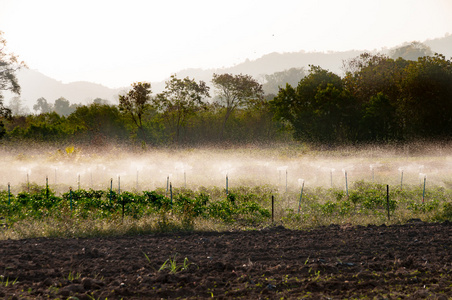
(408,261)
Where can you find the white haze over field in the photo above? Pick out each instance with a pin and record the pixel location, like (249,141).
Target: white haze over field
(209,167)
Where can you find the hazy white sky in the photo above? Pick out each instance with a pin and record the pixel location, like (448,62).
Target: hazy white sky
(118,42)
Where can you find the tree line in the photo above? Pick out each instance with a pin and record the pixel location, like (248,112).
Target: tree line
(183,114)
(378,100)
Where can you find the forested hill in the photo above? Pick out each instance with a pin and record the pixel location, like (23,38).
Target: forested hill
(36,85)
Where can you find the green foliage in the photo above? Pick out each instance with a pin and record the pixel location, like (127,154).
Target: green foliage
(9,64)
(319,109)
(243,206)
(135,103)
(180,100)
(445,213)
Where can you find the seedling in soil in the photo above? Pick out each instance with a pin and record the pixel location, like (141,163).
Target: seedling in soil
(173,267)
(73,276)
(5,281)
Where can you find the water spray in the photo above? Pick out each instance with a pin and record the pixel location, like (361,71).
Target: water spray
(423,190)
(119,185)
(171,194)
(91,177)
(56,175)
(301,193)
(111,189)
(47,187)
(78,181)
(28,182)
(401,178)
(227,183)
(331,176)
(137,179)
(9,193)
(373,172)
(70,197)
(282,168)
(346,181)
(286,180)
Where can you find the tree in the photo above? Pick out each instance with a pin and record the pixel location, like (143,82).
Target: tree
(42,106)
(320,109)
(379,118)
(99,122)
(375,81)
(135,103)
(426,97)
(9,64)
(63,107)
(411,51)
(180,100)
(17,107)
(101,101)
(236,91)
(279,80)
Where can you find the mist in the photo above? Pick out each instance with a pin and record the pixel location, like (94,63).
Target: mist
(281,167)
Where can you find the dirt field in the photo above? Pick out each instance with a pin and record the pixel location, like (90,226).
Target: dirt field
(409,261)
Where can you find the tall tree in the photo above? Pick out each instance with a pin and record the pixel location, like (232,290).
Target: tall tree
(375,81)
(63,107)
(9,64)
(319,109)
(279,80)
(180,100)
(99,123)
(17,107)
(426,97)
(42,106)
(236,91)
(135,103)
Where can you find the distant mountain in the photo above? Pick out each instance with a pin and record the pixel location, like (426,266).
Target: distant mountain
(277,62)
(35,85)
(441,45)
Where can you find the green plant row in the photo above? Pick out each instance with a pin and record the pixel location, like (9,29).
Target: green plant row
(366,203)
(185,206)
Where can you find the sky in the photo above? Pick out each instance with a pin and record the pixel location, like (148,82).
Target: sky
(115,43)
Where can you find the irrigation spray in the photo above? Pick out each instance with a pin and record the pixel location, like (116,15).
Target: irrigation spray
(301,193)
(47,187)
(171,193)
(346,181)
(70,197)
(78,180)
(373,172)
(9,193)
(227,183)
(111,190)
(331,176)
(423,190)
(401,178)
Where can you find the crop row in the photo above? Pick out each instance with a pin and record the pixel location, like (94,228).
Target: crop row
(243,206)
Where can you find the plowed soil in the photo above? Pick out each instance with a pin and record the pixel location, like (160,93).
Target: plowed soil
(410,261)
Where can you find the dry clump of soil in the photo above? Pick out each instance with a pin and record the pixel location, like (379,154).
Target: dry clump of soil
(408,261)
